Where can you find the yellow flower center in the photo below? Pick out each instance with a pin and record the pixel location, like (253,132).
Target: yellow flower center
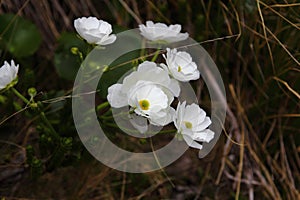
(144,104)
(188,125)
(179,69)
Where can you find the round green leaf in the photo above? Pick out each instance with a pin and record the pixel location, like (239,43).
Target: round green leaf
(20,36)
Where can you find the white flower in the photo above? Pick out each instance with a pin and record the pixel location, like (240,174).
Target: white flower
(94,31)
(150,101)
(191,121)
(8,73)
(180,65)
(159,32)
(149,91)
(147,71)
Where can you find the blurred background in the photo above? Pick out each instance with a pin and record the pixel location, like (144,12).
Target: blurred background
(255,45)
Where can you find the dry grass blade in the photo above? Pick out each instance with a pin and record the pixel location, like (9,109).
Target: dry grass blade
(288,86)
(152,5)
(283,46)
(130,11)
(280,15)
(269,183)
(265,34)
(242,140)
(149,190)
(158,163)
(285,5)
(14,114)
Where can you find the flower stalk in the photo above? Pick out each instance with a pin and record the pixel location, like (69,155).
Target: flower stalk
(18,94)
(155,55)
(39,106)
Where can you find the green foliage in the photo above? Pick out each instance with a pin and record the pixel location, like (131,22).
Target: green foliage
(64,148)
(19,36)
(116,70)
(36,167)
(3,99)
(66,60)
(29,154)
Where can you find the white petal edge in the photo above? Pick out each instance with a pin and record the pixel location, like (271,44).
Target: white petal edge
(116,97)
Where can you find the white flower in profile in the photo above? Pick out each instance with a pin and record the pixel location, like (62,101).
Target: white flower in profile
(146,71)
(94,31)
(180,65)
(159,32)
(8,73)
(150,101)
(191,121)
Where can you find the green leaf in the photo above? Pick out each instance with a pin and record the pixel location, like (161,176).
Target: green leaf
(121,66)
(66,63)
(3,99)
(19,36)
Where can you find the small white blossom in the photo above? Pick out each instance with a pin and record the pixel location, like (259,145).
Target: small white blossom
(191,121)
(150,101)
(94,31)
(180,65)
(8,73)
(159,32)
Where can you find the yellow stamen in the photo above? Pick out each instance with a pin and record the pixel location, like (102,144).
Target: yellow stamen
(188,125)
(179,69)
(144,104)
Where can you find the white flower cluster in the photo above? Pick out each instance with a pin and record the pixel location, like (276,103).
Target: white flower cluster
(151,89)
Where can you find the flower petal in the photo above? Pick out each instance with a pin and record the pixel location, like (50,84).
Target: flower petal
(140,123)
(108,39)
(204,136)
(191,142)
(116,97)
(203,125)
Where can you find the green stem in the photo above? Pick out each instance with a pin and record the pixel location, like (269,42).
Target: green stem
(155,55)
(108,112)
(18,94)
(101,106)
(42,114)
(52,130)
